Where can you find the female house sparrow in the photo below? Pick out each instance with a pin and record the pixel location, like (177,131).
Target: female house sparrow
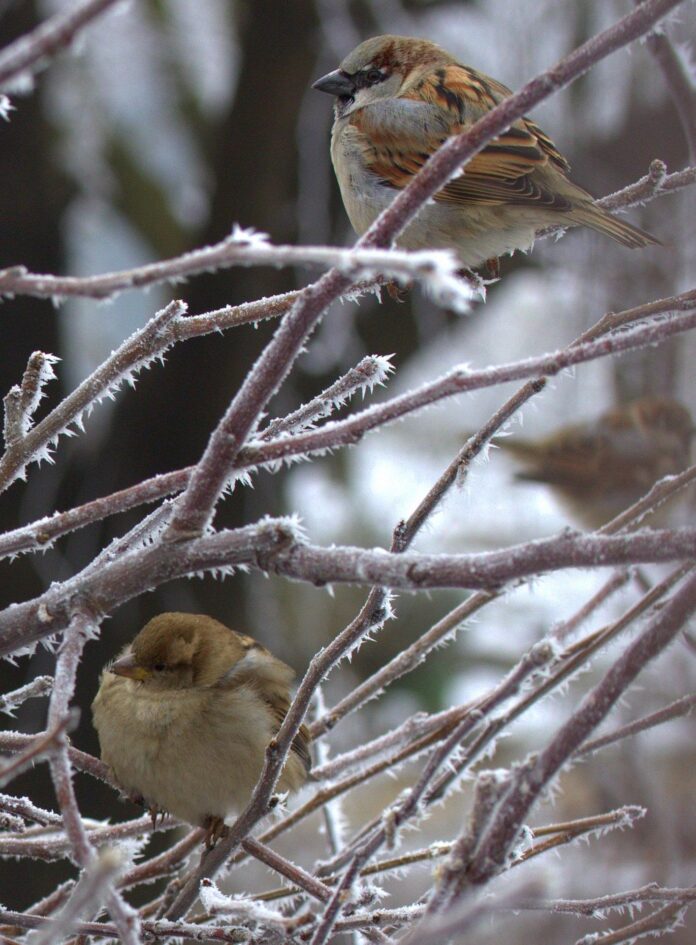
(600,468)
(184,716)
(397,100)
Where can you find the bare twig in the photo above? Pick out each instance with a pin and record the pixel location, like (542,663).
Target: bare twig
(39,534)
(666,919)
(592,710)
(27,53)
(39,747)
(37,688)
(92,887)
(674,710)
(83,853)
(652,892)
(133,354)
(435,269)
(679,83)
(427,267)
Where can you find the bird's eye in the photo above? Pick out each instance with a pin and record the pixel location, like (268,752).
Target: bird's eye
(373,76)
(159,667)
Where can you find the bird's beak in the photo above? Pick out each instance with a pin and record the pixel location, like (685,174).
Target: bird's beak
(335,83)
(127,666)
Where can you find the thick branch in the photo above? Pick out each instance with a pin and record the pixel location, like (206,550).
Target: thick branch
(274,546)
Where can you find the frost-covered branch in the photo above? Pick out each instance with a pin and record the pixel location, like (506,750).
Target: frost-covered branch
(29,52)
(274,546)
(38,687)
(679,80)
(533,777)
(656,181)
(41,746)
(619,902)
(131,356)
(676,709)
(93,886)
(666,919)
(22,400)
(39,534)
(80,629)
(435,270)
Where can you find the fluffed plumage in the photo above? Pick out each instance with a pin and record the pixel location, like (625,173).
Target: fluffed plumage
(184,716)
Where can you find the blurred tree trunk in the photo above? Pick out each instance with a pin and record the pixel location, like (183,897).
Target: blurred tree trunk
(254,166)
(32,200)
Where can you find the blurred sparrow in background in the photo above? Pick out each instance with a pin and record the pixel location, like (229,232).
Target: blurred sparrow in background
(397,100)
(184,716)
(600,468)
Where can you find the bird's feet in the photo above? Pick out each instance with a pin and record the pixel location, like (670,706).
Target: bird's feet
(491,268)
(153,810)
(215,829)
(395,293)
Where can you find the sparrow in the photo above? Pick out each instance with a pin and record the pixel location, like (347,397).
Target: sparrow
(600,468)
(184,716)
(397,100)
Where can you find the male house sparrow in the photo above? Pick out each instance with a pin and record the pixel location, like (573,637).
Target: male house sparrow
(184,716)
(397,100)
(600,468)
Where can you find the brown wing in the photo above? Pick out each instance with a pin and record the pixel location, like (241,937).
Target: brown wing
(502,173)
(576,460)
(301,741)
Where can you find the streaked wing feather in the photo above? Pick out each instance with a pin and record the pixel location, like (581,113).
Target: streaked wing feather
(301,741)
(499,174)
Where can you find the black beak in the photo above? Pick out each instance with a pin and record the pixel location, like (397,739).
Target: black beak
(335,83)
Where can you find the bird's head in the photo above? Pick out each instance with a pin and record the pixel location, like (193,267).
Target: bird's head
(383,67)
(179,651)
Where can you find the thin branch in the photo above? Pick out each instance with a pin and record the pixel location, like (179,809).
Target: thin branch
(41,746)
(679,84)
(295,874)
(565,628)
(37,688)
(673,711)
(567,665)
(398,264)
(652,892)
(162,930)
(23,399)
(194,507)
(83,853)
(27,53)
(666,919)
(531,780)
(24,809)
(435,269)
(39,534)
(92,887)
(132,355)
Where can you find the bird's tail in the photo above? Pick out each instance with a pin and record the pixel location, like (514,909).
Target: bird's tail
(602,221)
